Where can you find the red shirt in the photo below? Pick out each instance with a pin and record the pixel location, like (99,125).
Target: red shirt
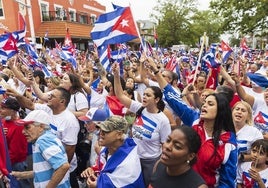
(16,142)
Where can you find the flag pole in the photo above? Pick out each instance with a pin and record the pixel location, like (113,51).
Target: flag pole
(200,55)
(137,29)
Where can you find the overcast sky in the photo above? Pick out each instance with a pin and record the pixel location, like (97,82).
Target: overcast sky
(141,9)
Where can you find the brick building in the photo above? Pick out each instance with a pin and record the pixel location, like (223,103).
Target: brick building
(53,17)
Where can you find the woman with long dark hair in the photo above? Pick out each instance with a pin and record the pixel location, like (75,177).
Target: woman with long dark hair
(151,127)
(217,158)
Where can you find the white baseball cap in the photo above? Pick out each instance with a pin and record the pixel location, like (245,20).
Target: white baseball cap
(38,116)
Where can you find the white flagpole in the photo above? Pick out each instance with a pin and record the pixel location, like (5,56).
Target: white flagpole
(200,55)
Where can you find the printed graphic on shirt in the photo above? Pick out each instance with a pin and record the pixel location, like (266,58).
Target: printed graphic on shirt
(143,128)
(249,182)
(261,122)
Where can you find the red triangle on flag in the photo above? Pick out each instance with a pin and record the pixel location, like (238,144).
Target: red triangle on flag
(139,121)
(10,44)
(126,23)
(225,46)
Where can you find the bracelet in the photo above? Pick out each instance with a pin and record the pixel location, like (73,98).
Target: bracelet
(155,72)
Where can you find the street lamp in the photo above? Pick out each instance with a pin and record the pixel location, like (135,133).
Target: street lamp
(30,16)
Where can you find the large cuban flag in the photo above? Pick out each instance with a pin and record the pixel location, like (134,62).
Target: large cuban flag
(114,27)
(122,169)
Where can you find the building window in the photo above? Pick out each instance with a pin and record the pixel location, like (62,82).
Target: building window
(1,9)
(45,13)
(61,13)
(93,18)
(83,19)
(72,15)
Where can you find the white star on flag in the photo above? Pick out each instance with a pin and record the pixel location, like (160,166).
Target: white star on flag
(12,43)
(124,23)
(67,42)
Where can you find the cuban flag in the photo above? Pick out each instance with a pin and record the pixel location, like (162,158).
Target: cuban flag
(5,163)
(8,47)
(226,51)
(113,106)
(258,79)
(66,53)
(146,47)
(243,47)
(46,39)
(21,33)
(104,53)
(261,121)
(117,172)
(114,27)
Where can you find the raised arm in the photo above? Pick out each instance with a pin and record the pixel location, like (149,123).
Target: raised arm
(241,92)
(126,101)
(23,101)
(12,65)
(227,77)
(40,94)
(187,114)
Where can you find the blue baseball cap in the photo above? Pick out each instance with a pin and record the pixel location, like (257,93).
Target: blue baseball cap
(94,114)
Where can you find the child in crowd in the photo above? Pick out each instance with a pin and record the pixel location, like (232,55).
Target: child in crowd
(255,173)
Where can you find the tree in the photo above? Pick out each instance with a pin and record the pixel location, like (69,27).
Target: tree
(242,16)
(179,22)
(206,21)
(174,21)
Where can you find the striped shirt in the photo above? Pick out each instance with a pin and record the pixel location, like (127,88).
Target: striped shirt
(48,155)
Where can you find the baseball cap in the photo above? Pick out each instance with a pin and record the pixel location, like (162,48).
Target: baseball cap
(10,103)
(114,123)
(94,114)
(38,116)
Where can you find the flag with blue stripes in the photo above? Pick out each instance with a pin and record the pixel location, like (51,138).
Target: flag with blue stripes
(114,27)
(118,170)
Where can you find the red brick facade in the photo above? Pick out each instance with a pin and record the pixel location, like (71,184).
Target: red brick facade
(53,16)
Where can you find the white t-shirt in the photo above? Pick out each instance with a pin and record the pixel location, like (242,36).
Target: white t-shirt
(149,131)
(250,91)
(97,99)
(246,136)
(65,125)
(78,101)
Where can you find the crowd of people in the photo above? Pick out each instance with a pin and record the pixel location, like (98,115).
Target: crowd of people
(142,125)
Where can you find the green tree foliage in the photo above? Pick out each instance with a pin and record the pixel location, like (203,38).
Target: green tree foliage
(179,22)
(206,21)
(243,16)
(174,21)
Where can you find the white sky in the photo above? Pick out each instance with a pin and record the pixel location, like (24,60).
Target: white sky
(141,9)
